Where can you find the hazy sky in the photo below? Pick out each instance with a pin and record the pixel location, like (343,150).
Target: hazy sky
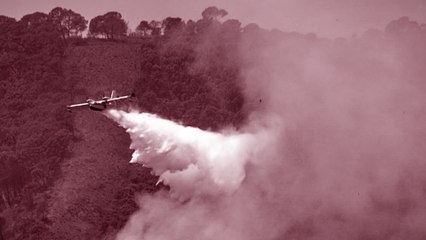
(327,18)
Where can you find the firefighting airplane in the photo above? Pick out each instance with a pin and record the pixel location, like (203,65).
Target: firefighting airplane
(102,104)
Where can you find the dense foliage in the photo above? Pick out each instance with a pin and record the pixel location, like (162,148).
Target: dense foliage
(110,25)
(69,23)
(34,133)
(185,71)
(193,76)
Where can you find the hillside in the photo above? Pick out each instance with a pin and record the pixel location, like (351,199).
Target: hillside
(95,194)
(336,130)
(97,178)
(61,170)
(96,67)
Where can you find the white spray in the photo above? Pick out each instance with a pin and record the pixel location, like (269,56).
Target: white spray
(193,162)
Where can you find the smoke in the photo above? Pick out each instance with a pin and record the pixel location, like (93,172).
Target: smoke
(353,154)
(205,171)
(335,150)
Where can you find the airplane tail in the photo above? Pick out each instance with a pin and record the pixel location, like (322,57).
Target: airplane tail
(113,95)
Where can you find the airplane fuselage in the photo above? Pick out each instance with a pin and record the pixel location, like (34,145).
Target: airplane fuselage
(98,105)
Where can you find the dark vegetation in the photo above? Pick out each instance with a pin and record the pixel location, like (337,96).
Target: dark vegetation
(185,71)
(110,26)
(35,133)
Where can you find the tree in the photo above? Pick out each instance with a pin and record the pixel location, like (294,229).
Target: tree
(213,13)
(232,25)
(68,22)
(155,27)
(7,27)
(251,27)
(97,26)
(171,25)
(6,20)
(36,33)
(190,26)
(143,27)
(111,25)
(34,19)
(401,26)
(115,24)
(2,223)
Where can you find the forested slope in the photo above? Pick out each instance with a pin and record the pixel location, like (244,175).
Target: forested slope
(66,175)
(35,132)
(95,193)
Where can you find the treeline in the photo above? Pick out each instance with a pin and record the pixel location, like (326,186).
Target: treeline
(111,25)
(189,71)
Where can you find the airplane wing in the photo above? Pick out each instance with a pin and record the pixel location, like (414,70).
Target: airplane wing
(77,105)
(118,98)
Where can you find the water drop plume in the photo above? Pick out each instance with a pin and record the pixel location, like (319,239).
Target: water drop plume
(193,162)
